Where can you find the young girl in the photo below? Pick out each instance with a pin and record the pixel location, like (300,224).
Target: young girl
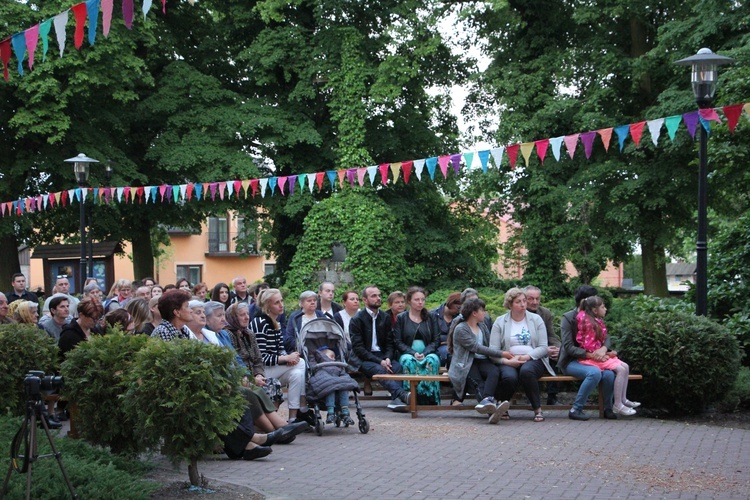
(592,334)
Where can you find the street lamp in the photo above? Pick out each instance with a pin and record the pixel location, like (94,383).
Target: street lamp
(81,170)
(704,75)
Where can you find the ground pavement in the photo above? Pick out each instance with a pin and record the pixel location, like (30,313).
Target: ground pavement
(459,455)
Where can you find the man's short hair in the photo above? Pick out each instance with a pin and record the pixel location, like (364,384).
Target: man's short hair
(235,280)
(584,292)
(320,287)
(57,300)
(17,275)
(532,288)
(364,290)
(172,300)
(256,288)
(468,292)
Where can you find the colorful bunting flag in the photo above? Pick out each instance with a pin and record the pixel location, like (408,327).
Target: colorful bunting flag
(383,169)
(92,10)
(691,122)
(526,149)
(654,128)
(484,157)
(512,154)
(571,141)
(395,170)
(79,14)
(5,56)
(622,133)
(107,7)
(556,143)
(60,21)
(497,156)
(606,135)
(32,38)
(587,138)
(431,165)
(672,122)
(361,172)
(541,149)
(456,162)
(443,162)
(19,47)
(636,131)
(733,115)
(418,167)
(406,167)
(292,183)
(371,173)
(128,10)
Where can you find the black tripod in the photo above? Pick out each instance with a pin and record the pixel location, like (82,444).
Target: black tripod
(35,411)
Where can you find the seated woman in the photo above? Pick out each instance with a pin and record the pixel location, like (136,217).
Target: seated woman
(351,307)
(470,365)
(523,334)
(79,330)
(200,291)
(156,291)
(445,314)
(119,317)
(26,312)
(289,368)
(416,337)
(307,311)
(118,295)
(396,305)
(183,284)
(220,293)
(197,324)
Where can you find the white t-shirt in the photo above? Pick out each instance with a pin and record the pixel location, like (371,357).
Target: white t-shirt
(520,337)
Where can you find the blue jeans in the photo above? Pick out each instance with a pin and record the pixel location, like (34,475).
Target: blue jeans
(591,376)
(369,369)
(337,398)
(444,356)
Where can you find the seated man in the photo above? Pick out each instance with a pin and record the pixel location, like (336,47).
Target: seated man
(62,286)
(372,342)
(4,318)
(59,308)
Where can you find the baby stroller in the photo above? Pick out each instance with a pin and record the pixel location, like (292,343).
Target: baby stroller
(326,333)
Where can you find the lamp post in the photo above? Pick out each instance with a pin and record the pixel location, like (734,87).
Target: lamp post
(704,75)
(81,170)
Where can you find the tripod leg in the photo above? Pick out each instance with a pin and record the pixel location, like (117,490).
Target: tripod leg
(57,455)
(32,453)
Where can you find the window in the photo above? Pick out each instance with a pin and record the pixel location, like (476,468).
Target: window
(218,234)
(192,273)
(247,236)
(269,269)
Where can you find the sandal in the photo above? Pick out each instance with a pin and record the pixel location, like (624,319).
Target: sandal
(538,417)
(456,402)
(505,416)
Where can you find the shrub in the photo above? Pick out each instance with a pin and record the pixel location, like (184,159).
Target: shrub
(186,393)
(739,325)
(687,361)
(23,348)
(93,472)
(739,395)
(95,381)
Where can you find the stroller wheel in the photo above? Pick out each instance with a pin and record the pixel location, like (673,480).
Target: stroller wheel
(364,426)
(319,427)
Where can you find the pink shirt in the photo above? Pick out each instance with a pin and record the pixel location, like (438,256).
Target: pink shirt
(586,336)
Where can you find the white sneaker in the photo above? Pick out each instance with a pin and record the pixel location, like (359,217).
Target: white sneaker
(501,410)
(486,406)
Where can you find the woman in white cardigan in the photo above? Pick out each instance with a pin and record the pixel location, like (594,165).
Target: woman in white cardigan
(523,334)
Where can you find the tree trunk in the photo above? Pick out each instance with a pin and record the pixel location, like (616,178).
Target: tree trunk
(195,477)
(9,264)
(143,253)
(654,268)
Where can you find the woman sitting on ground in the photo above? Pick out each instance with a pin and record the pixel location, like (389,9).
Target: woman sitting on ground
(416,338)
(141,313)
(289,368)
(523,334)
(307,312)
(470,365)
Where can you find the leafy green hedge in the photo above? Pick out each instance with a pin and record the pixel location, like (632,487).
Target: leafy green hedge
(688,361)
(23,348)
(93,472)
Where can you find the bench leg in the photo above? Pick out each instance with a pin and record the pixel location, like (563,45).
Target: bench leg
(368,386)
(413,397)
(601,399)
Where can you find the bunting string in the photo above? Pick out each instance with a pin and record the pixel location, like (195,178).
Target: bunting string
(470,160)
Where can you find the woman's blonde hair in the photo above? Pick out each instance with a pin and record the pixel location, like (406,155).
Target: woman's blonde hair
(22,312)
(512,295)
(264,300)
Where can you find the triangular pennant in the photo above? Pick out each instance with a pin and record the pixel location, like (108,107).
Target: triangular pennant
(706,124)
(128,10)
(183,192)
(32,38)
(418,168)
(254,183)
(636,131)
(64,197)
(45,201)
(587,138)
(571,141)
(107,7)
(282,183)
(148,191)
(120,191)
(526,149)
(189,188)
(222,189)
(350,173)
(431,165)
(443,162)
(79,13)
(245,186)
(162,190)
(5,57)
(512,154)
(654,128)
(341,174)
(263,185)
(145,7)
(154,191)
(73,194)
(733,115)
(497,155)
(272,182)
(622,133)
(395,170)
(361,172)
(230,188)
(292,183)
(710,114)
(606,135)
(60,21)
(456,162)
(212,188)
(27,202)
(746,108)
(469,159)
(541,149)
(44,30)
(691,122)
(311,178)
(383,169)
(19,47)
(406,169)
(139,193)
(672,122)
(321,175)
(39,200)
(484,157)
(92,9)
(237,187)
(556,143)
(371,172)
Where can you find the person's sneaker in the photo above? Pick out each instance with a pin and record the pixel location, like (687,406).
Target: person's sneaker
(331,418)
(609,414)
(346,419)
(577,415)
(405,397)
(397,405)
(486,406)
(501,410)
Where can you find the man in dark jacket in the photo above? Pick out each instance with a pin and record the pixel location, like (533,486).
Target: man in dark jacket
(372,341)
(19,292)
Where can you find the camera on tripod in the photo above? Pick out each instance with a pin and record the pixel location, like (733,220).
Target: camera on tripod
(36,381)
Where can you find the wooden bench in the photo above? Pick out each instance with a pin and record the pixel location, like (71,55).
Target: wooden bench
(416,379)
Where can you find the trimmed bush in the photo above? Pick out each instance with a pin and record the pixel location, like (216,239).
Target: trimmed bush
(95,381)
(93,472)
(186,393)
(23,348)
(739,396)
(687,361)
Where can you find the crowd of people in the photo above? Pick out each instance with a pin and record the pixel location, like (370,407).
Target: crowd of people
(486,358)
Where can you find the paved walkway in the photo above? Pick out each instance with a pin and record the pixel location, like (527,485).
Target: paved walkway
(459,455)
